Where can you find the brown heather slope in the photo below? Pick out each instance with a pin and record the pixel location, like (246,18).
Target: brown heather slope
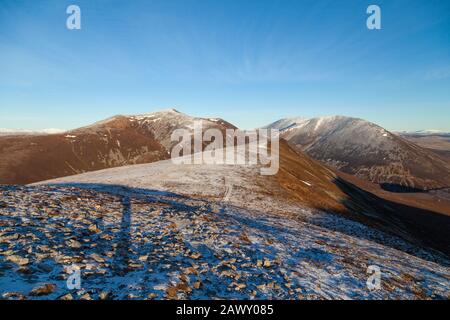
(307,181)
(423,218)
(26,159)
(426,200)
(117,141)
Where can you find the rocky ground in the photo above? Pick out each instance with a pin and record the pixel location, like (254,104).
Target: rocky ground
(142,244)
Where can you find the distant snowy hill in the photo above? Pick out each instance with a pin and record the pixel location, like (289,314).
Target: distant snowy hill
(434,140)
(367,150)
(425,133)
(4,131)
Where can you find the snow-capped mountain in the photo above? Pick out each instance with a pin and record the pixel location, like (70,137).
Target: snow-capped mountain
(369,151)
(116,141)
(163,123)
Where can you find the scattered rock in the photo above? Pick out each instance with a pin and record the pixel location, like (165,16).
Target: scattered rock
(86,296)
(13,296)
(152,296)
(24,270)
(97,258)
(245,238)
(240,286)
(21,261)
(106,237)
(43,290)
(93,228)
(105,295)
(74,244)
(171,292)
(196,256)
(183,287)
(66,297)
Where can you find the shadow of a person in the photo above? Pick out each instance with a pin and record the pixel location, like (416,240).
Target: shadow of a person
(120,260)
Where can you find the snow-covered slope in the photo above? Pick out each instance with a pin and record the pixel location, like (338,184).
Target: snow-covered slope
(144,244)
(286,123)
(240,185)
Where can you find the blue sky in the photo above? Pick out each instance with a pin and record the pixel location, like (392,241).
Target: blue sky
(248,61)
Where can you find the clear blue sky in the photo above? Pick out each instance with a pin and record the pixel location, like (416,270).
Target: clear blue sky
(248,61)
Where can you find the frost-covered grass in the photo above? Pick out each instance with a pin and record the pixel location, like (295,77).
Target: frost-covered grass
(146,244)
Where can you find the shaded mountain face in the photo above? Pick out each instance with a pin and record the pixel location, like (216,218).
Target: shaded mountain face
(368,151)
(117,141)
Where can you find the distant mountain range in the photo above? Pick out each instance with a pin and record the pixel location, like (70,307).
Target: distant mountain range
(368,151)
(433,140)
(424,133)
(4,132)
